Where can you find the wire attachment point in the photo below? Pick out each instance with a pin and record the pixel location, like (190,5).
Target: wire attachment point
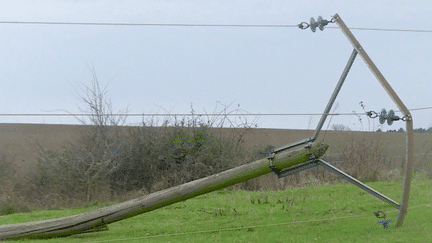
(320,23)
(372,114)
(389,117)
(303,25)
(406,118)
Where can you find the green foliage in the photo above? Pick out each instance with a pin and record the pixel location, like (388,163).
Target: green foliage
(8,209)
(176,155)
(179,144)
(105,159)
(90,204)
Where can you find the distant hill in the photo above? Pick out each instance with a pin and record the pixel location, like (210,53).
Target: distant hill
(18,141)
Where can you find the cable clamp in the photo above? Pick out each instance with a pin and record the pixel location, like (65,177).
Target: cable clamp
(333,19)
(274,169)
(372,114)
(407,118)
(303,25)
(270,157)
(308,145)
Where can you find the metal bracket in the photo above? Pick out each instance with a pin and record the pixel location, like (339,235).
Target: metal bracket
(297,168)
(288,146)
(326,165)
(272,167)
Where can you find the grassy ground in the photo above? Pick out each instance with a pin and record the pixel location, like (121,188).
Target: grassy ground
(320,213)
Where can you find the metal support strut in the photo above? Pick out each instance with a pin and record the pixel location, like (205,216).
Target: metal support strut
(320,162)
(326,110)
(358,49)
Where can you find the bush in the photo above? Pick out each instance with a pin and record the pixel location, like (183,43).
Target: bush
(108,161)
(56,175)
(11,207)
(148,158)
(364,160)
(177,154)
(8,209)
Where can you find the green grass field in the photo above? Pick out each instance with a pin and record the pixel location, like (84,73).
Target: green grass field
(319,213)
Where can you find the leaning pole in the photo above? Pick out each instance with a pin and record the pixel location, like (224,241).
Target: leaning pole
(98,219)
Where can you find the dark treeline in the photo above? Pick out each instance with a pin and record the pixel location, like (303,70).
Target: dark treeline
(417,130)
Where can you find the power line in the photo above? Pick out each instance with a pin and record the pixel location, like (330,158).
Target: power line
(188,114)
(382,29)
(206,114)
(154,24)
(199,25)
(417,109)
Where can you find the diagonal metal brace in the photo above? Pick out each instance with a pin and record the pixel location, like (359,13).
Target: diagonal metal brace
(326,165)
(359,184)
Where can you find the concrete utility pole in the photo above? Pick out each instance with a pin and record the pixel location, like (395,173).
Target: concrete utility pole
(97,220)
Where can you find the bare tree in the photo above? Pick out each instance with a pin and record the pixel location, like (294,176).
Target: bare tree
(100,107)
(239,124)
(340,127)
(89,163)
(98,153)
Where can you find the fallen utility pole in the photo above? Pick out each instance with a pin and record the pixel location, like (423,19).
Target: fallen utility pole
(98,220)
(358,49)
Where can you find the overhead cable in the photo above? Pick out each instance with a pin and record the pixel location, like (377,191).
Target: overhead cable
(206,114)
(151,24)
(199,25)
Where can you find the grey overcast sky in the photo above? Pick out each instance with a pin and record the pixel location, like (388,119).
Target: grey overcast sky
(262,70)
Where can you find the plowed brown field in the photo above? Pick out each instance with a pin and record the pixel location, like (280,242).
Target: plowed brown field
(18,141)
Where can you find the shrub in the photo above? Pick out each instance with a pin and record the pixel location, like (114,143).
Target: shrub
(107,160)
(184,152)
(364,160)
